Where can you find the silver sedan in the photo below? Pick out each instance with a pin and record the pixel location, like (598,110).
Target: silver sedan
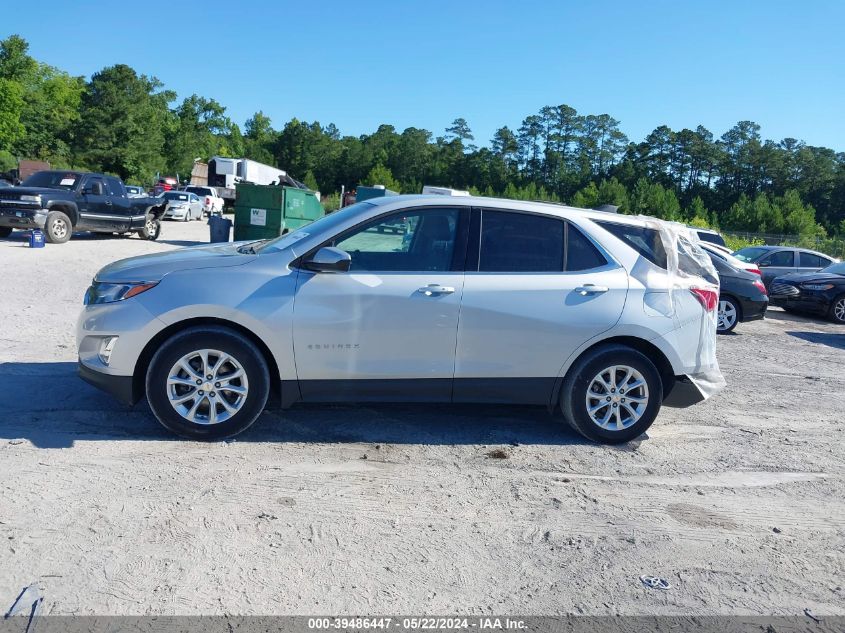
(182,205)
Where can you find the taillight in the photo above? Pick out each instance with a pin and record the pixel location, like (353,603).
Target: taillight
(207,200)
(760,286)
(756,271)
(707,297)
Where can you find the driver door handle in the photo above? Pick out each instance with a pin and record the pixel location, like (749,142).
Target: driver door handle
(591,289)
(433,290)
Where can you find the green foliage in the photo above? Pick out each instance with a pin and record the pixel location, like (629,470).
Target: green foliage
(7,161)
(381,175)
(331,202)
(128,124)
(651,198)
(310,182)
(736,242)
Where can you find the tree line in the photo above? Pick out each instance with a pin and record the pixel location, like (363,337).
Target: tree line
(129,124)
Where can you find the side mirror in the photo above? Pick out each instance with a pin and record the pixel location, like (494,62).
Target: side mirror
(763,265)
(329,260)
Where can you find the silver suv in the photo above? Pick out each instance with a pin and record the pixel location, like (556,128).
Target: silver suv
(603,316)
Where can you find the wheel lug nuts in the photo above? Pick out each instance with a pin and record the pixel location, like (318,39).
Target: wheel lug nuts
(212,394)
(217,384)
(201,392)
(608,398)
(623,399)
(613,391)
(615,405)
(209,377)
(199,382)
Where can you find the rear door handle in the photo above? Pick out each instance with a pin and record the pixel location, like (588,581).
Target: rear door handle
(591,289)
(432,290)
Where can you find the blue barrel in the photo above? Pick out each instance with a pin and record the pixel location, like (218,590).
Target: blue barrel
(220,228)
(36,239)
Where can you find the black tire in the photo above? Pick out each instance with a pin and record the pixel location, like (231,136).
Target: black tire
(5,231)
(573,397)
(151,230)
(730,302)
(57,228)
(223,340)
(837,306)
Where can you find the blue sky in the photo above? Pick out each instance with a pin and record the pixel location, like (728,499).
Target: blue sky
(359,64)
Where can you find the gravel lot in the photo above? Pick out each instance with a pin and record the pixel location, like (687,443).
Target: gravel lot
(401,509)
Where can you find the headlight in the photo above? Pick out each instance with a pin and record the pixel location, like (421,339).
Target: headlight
(109,293)
(36,198)
(817,286)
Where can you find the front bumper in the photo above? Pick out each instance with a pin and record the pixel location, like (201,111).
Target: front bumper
(814,302)
(176,214)
(121,388)
(22,217)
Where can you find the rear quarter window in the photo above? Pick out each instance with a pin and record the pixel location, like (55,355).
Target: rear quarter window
(645,241)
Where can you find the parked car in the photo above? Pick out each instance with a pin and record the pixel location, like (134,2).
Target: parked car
(182,205)
(821,293)
(742,295)
(709,235)
(61,202)
(567,308)
(775,261)
(211,200)
(134,191)
(725,256)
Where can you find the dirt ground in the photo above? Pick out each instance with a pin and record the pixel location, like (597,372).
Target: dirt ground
(737,502)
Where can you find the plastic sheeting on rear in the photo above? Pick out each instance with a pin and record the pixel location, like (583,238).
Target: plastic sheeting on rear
(688,264)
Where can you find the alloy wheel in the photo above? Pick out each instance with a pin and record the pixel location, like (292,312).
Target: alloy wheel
(839,310)
(727,315)
(617,398)
(207,386)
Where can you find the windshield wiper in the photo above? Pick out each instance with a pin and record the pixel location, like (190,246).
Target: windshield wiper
(249,249)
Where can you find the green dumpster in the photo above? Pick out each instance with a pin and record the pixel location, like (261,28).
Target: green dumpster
(267,211)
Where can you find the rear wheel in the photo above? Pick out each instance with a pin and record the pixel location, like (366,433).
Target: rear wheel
(208,383)
(837,309)
(729,314)
(5,231)
(57,228)
(612,394)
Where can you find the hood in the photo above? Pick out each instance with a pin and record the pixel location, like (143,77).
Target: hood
(154,267)
(810,277)
(36,191)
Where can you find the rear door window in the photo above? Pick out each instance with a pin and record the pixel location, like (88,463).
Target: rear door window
(808,260)
(520,242)
(115,186)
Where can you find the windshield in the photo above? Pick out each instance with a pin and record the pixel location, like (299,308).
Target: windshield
(750,253)
(835,269)
(52,180)
(174,195)
(323,225)
(200,191)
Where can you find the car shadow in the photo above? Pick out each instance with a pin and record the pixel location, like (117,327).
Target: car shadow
(75,410)
(182,242)
(822,338)
(779,314)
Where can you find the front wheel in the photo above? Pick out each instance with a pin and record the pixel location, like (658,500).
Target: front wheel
(208,383)
(837,309)
(152,229)
(612,394)
(57,228)
(729,315)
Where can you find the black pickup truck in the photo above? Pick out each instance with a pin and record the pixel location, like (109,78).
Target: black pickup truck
(61,202)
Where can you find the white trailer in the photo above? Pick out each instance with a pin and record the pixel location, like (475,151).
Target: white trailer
(259,173)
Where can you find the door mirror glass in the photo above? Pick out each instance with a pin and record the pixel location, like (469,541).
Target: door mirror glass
(329,260)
